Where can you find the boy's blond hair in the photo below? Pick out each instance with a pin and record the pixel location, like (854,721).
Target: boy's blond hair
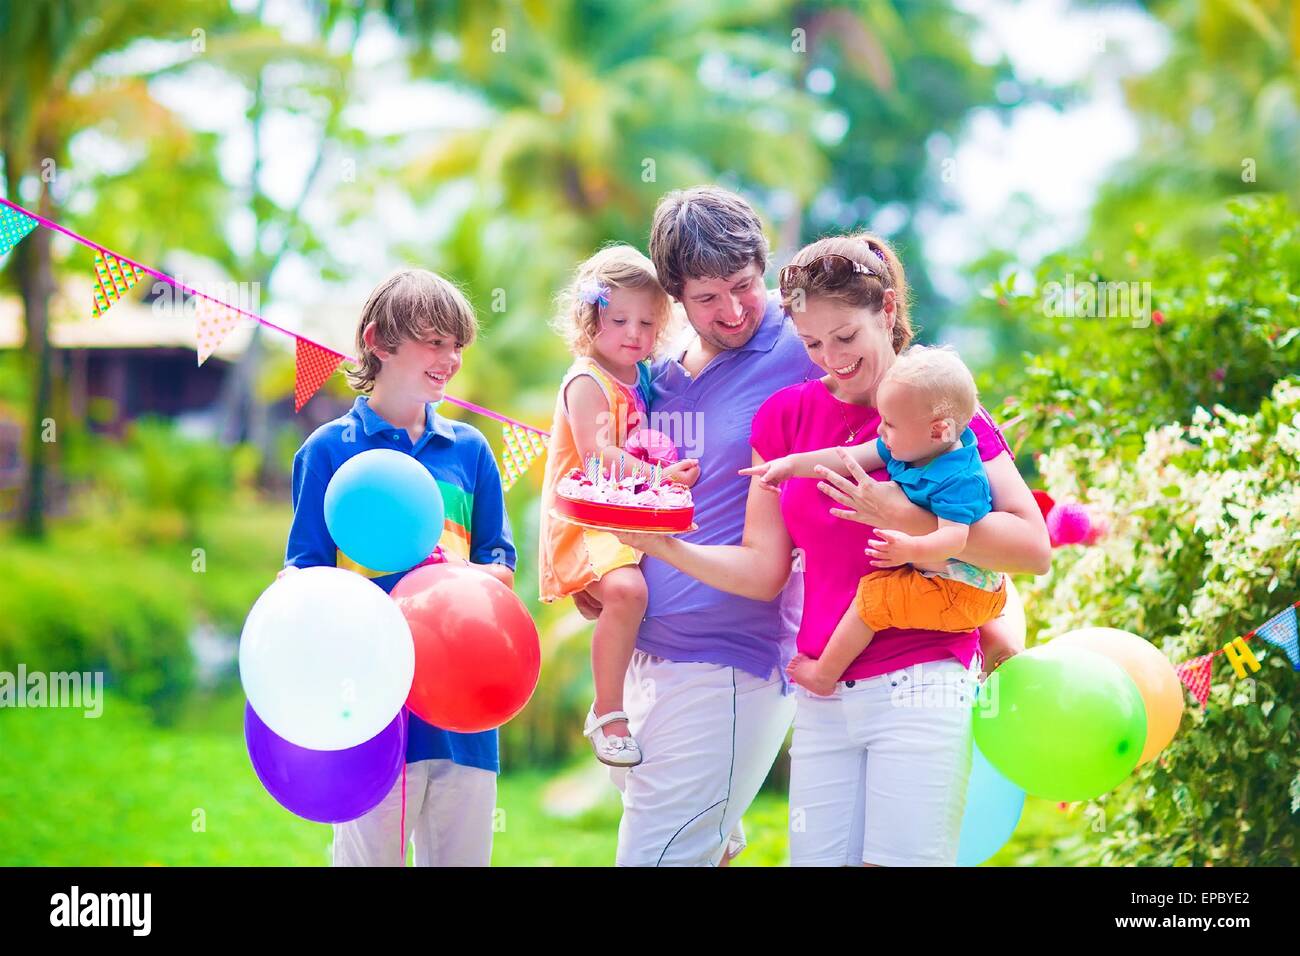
(616,267)
(938,372)
(409,306)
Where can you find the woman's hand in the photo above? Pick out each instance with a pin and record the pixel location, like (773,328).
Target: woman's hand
(865,500)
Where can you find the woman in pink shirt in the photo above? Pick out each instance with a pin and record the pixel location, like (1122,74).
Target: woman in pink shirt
(879,768)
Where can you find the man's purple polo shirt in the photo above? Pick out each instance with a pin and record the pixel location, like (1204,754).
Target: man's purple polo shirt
(687,620)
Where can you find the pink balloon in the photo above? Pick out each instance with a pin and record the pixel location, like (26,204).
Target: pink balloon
(1068,524)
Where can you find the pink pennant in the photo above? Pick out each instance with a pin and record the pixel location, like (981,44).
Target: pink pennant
(212,323)
(1195,675)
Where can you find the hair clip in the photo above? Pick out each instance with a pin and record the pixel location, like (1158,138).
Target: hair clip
(594,293)
(876,249)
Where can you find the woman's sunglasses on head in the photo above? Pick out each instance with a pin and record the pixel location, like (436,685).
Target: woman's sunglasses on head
(833,266)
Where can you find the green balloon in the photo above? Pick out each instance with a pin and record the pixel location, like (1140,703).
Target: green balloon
(1066,726)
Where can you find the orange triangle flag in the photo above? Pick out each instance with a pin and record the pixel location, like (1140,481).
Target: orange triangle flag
(314,364)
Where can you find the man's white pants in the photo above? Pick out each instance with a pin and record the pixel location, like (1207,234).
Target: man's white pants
(708,735)
(448,811)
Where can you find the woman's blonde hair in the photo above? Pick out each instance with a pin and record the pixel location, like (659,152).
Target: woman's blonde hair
(620,266)
(857,290)
(938,372)
(409,306)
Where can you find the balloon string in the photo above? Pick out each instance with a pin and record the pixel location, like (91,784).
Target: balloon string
(403,823)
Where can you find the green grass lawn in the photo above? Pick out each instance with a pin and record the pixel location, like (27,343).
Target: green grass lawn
(119,790)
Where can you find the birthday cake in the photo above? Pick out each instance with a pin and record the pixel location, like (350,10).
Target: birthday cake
(634,503)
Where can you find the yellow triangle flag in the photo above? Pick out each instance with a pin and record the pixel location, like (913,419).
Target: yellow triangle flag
(520,447)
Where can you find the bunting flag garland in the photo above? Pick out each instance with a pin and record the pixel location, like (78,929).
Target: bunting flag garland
(1240,657)
(213,321)
(113,279)
(1195,675)
(1281,631)
(14,227)
(313,364)
(114,276)
(520,447)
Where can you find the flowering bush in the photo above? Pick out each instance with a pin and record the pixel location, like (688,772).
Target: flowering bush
(1193,329)
(1204,544)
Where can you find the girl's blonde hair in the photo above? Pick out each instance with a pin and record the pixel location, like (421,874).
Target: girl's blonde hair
(614,267)
(938,372)
(856,290)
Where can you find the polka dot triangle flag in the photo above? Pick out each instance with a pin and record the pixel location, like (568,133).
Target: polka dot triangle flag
(314,364)
(14,227)
(1195,675)
(113,279)
(520,447)
(1281,631)
(212,323)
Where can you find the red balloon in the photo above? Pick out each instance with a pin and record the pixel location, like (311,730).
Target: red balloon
(477,656)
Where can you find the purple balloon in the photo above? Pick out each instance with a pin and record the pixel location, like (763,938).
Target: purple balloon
(327,786)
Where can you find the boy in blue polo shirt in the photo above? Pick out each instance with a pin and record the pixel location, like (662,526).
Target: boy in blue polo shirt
(409,342)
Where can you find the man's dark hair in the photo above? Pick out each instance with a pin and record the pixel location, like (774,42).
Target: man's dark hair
(704,233)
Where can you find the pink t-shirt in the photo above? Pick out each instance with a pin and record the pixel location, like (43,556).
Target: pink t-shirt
(807,417)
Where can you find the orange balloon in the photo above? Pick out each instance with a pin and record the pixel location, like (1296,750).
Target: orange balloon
(1162,692)
(477,656)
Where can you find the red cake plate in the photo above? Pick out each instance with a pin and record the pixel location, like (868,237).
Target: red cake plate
(592,520)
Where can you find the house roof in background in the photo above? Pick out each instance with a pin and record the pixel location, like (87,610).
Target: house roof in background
(129,324)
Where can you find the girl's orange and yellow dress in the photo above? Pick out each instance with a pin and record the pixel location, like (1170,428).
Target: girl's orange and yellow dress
(571,557)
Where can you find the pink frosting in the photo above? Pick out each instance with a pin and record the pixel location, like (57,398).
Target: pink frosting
(631,491)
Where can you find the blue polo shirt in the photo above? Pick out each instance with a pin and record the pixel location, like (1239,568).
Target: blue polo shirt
(954,486)
(476,526)
(708,416)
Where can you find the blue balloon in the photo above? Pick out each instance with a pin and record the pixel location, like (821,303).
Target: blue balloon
(384,510)
(993,807)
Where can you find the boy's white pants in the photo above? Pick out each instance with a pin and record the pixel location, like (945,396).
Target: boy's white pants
(448,811)
(708,736)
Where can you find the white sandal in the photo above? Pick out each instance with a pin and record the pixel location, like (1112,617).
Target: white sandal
(611,751)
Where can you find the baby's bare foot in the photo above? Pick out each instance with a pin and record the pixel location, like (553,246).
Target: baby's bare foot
(804,672)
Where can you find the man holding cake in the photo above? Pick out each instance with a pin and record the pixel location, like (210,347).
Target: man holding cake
(705,694)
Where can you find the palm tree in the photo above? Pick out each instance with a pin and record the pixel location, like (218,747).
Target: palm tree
(46,49)
(57,89)
(1219,117)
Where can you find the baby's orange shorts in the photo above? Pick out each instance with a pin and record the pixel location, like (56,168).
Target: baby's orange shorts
(904,597)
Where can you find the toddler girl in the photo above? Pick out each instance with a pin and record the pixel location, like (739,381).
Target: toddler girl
(613,315)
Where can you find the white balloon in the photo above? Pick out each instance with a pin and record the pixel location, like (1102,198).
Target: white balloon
(326,658)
